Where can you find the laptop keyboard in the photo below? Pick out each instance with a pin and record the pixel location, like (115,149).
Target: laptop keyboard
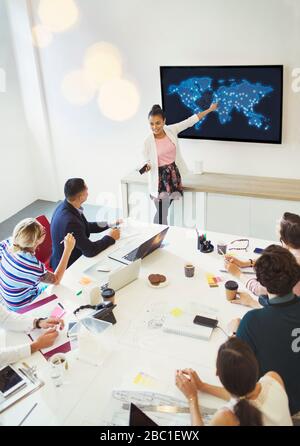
(131,256)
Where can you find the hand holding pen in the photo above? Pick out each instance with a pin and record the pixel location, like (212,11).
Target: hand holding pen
(69,242)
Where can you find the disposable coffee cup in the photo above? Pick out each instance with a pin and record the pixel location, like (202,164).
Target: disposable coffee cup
(95,296)
(222,248)
(108,295)
(231,288)
(189,270)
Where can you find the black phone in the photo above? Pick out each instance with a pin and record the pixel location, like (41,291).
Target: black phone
(205,321)
(143,169)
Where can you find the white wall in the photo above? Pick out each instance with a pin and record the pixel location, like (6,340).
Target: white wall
(17,179)
(169,32)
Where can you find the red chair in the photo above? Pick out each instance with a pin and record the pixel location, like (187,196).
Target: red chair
(44,251)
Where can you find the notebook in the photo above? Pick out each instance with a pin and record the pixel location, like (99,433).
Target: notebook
(183,325)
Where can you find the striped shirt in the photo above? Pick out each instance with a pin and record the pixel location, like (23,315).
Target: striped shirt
(20,274)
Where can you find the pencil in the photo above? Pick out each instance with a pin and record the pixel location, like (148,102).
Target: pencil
(27,415)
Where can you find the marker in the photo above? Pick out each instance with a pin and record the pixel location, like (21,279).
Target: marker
(79,292)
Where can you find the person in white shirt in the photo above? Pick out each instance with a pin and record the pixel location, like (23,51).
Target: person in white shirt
(16,322)
(251,402)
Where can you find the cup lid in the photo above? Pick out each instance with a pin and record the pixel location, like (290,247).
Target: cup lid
(108,293)
(231,285)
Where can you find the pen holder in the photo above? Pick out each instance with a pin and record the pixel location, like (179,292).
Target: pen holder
(205,246)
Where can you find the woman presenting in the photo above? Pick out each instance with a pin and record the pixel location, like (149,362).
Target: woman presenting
(163,159)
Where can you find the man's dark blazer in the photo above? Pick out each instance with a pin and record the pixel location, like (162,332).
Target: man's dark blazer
(67,219)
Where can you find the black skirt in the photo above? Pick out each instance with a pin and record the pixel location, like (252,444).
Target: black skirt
(169,182)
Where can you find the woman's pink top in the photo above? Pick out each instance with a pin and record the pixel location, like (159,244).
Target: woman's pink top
(166,151)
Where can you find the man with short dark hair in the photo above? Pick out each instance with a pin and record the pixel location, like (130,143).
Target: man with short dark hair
(68,217)
(271,331)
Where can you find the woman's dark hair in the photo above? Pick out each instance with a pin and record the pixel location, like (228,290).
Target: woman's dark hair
(290,230)
(238,371)
(277,270)
(73,187)
(156,110)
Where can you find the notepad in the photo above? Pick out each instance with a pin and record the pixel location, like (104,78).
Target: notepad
(184,326)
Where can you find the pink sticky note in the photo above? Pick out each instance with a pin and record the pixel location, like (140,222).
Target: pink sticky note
(58,312)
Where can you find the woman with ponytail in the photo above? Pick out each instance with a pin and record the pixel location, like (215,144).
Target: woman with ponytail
(163,159)
(250,402)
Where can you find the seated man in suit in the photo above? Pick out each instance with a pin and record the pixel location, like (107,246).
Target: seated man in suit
(68,217)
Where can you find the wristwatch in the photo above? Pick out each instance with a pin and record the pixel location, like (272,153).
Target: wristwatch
(37,322)
(251,262)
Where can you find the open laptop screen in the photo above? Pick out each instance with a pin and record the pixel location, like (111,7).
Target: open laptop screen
(138,418)
(150,245)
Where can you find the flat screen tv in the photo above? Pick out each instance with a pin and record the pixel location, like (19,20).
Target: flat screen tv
(249,98)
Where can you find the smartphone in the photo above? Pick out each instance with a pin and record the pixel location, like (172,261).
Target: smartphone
(205,321)
(258,250)
(10,381)
(143,169)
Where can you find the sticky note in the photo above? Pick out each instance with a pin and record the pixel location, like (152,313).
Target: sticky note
(58,312)
(176,312)
(85,280)
(142,379)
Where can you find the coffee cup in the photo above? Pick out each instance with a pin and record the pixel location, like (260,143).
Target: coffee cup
(108,295)
(189,270)
(222,248)
(231,289)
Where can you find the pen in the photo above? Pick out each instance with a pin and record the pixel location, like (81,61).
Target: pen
(72,233)
(27,415)
(243,272)
(26,376)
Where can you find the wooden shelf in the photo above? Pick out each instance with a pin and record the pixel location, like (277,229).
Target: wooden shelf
(242,185)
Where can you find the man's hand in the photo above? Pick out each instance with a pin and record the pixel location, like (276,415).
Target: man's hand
(234,325)
(44,341)
(245,299)
(115,233)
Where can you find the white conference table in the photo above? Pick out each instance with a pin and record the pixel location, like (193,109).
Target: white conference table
(133,345)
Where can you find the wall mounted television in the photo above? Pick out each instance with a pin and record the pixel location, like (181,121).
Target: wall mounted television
(249,98)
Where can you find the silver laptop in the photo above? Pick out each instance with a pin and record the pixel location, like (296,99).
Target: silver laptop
(122,276)
(130,254)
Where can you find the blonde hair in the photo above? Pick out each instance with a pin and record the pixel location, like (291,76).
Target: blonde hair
(26,235)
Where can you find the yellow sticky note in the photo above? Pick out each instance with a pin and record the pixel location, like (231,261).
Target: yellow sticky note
(85,280)
(176,312)
(144,380)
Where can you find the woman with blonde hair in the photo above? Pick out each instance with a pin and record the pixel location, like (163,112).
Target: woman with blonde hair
(21,273)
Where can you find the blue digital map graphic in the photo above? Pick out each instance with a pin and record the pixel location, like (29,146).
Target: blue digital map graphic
(197,94)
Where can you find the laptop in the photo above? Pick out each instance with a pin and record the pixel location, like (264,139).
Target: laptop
(126,255)
(138,418)
(122,276)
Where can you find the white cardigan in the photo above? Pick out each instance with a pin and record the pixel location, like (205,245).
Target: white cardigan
(14,322)
(150,151)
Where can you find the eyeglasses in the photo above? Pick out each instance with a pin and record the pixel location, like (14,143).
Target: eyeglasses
(239,248)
